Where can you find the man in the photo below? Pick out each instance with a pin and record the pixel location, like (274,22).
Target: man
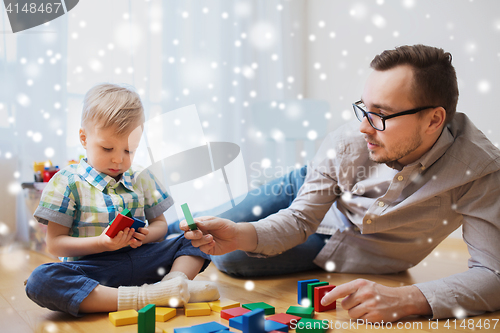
(380,199)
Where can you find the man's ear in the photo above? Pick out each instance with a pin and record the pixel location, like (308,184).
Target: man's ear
(83,137)
(437,118)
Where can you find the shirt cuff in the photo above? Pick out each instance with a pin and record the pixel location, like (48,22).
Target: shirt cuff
(158,209)
(440,298)
(44,215)
(264,239)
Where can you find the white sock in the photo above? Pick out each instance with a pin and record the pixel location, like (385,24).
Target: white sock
(172,293)
(199,291)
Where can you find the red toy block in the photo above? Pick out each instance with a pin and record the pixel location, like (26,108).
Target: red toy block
(233,312)
(119,223)
(284,318)
(319,292)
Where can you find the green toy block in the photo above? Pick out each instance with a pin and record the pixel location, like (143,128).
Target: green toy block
(301,311)
(189,217)
(310,291)
(147,319)
(268,309)
(126,212)
(306,325)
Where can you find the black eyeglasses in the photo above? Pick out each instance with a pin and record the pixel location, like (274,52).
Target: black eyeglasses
(376,120)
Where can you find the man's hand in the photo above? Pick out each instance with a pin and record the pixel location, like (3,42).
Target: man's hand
(374,302)
(218,236)
(122,239)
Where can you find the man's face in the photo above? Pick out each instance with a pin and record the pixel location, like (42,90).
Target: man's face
(108,152)
(389,92)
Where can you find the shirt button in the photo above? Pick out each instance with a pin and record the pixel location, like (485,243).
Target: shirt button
(400,178)
(422,168)
(120,209)
(381,204)
(368,221)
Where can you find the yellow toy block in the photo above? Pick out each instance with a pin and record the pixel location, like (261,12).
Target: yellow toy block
(223,304)
(125,317)
(197,309)
(164,314)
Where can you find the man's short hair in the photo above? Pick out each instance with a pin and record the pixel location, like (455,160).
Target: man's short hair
(106,105)
(435,79)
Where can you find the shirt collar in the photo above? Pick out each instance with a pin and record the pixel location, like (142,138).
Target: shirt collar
(442,144)
(100,180)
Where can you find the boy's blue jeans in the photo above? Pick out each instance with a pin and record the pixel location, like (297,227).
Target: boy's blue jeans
(62,286)
(271,197)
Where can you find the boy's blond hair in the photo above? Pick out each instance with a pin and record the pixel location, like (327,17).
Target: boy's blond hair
(107,105)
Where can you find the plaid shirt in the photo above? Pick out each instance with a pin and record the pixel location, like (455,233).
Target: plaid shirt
(85,200)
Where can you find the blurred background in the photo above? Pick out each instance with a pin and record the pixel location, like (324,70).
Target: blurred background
(272,76)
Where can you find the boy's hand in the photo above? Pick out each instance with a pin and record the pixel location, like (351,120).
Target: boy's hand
(138,237)
(122,239)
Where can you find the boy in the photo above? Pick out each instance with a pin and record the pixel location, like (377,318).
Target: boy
(99,273)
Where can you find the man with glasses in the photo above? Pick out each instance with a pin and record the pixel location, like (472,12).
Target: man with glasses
(378,198)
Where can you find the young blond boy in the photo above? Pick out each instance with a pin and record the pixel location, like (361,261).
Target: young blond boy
(99,273)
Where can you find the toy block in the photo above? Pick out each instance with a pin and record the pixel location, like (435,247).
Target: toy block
(211,327)
(268,309)
(237,322)
(223,304)
(146,321)
(125,317)
(254,321)
(189,218)
(137,224)
(188,330)
(301,311)
(126,212)
(119,223)
(271,325)
(306,325)
(284,318)
(319,292)
(233,312)
(164,314)
(197,309)
(310,291)
(302,289)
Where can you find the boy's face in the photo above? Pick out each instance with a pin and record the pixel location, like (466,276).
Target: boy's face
(108,152)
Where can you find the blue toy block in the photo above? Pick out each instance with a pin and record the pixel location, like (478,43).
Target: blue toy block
(137,224)
(236,322)
(189,330)
(275,326)
(211,327)
(302,289)
(254,322)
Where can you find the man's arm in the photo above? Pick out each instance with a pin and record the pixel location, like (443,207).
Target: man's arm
(478,289)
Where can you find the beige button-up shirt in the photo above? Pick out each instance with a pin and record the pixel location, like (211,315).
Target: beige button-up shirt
(386,218)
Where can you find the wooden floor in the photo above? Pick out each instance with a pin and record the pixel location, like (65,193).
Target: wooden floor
(20,315)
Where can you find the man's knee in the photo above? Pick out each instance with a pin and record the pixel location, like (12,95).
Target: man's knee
(234,263)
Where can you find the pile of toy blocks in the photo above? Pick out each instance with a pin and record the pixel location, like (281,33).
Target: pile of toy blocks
(122,221)
(248,318)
